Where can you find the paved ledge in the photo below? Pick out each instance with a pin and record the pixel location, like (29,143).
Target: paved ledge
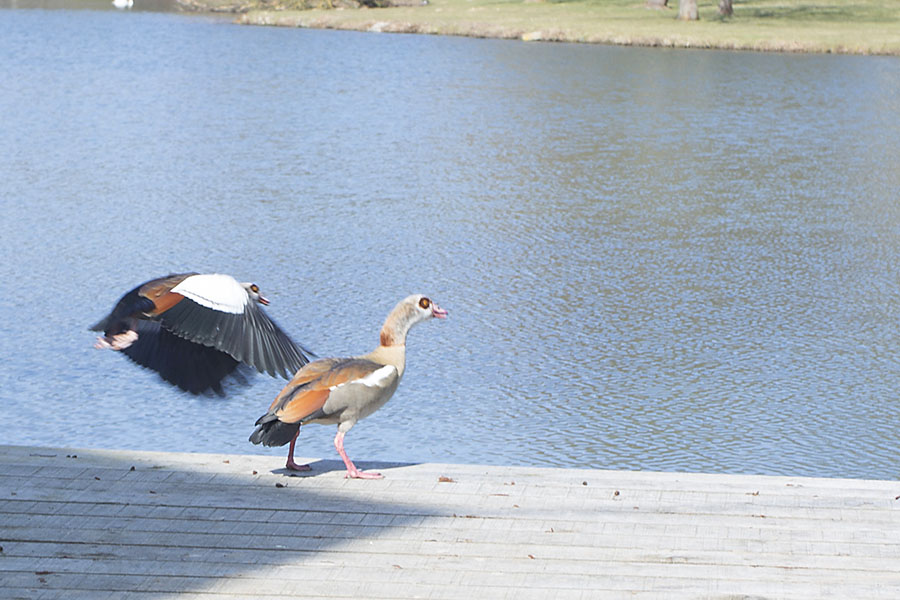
(101,524)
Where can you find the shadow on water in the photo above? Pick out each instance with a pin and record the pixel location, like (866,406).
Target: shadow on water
(78,523)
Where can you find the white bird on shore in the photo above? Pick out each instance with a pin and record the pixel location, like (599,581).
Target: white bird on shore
(122,4)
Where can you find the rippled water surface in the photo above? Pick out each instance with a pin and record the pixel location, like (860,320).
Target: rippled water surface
(660,260)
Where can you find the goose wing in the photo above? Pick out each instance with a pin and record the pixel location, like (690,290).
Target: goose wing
(192,367)
(327,387)
(216,311)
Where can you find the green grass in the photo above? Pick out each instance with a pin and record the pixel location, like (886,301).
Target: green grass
(840,26)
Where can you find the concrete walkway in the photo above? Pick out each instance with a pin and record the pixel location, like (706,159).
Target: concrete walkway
(97,524)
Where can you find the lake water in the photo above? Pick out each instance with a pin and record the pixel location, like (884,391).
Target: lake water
(653,259)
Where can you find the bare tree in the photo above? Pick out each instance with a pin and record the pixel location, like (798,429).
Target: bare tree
(725,8)
(687,10)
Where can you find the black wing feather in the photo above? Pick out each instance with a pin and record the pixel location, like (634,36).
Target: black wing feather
(195,368)
(250,337)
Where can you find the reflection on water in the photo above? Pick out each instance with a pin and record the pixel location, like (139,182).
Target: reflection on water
(653,259)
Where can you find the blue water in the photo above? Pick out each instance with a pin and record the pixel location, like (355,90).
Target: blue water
(653,259)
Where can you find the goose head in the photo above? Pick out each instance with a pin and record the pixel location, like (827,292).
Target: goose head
(255,295)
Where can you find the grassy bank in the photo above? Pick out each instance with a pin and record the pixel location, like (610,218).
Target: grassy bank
(838,26)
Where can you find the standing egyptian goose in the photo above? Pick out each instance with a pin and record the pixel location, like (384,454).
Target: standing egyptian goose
(194,330)
(344,390)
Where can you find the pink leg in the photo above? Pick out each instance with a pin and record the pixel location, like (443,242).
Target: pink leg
(352,471)
(291,465)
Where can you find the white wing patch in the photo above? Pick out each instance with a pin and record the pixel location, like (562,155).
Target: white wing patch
(376,378)
(218,292)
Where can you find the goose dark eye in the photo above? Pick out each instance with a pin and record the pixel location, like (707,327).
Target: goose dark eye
(254,288)
(424,303)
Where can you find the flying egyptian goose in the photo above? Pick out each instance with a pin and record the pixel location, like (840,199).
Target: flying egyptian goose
(344,390)
(194,330)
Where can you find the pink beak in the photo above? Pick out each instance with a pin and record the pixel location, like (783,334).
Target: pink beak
(438,312)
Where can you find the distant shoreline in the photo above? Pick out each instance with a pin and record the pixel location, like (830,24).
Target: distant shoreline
(865,28)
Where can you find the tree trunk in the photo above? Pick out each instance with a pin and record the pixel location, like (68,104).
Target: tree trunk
(725,8)
(687,10)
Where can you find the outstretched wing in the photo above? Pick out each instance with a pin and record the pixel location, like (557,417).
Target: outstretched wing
(217,312)
(192,367)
